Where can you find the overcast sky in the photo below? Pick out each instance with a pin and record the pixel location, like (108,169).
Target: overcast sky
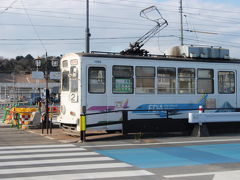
(58,26)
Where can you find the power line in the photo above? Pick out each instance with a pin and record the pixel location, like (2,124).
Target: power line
(75,39)
(44,11)
(197,8)
(211,10)
(167,10)
(34,28)
(78,14)
(221,18)
(197,14)
(73,18)
(62,26)
(195,17)
(8,7)
(216,42)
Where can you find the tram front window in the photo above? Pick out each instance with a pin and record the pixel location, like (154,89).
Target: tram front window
(65,81)
(74,79)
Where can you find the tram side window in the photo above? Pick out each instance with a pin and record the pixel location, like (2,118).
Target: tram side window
(145,80)
(122,82)
(166,80)
(74,78)
(226,82)
(97,80)
(205,81)
(186,81)
(65,81)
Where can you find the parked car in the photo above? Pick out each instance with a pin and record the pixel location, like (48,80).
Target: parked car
(54,100)
(35,100)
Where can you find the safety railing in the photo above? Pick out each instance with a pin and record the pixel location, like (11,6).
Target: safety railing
(12,104)
(124,121)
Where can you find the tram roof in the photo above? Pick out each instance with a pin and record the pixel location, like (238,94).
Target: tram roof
(158,57)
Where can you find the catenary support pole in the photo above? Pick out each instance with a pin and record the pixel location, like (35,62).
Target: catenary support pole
(47,95)
(87,28)
(181,22)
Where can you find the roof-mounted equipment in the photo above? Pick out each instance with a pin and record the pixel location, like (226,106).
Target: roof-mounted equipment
(153,14)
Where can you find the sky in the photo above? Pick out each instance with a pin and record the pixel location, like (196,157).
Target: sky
(58,26)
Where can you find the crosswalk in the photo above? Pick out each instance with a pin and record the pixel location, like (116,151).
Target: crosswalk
(61,162)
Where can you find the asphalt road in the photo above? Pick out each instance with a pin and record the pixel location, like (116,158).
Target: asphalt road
(25,156)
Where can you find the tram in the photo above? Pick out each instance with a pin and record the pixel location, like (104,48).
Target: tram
(100,82)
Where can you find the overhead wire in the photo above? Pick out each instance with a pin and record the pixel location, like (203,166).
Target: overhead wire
(6,8)
(176,6)
(218,18)
(194,14)
(34,28)
(73,39)
(109,3)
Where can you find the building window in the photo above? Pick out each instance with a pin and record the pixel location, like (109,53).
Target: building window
(205,82)
(226,82)
(97,80)
(65,80)
(145,80)
(166,83)
(122,82)
(186,80)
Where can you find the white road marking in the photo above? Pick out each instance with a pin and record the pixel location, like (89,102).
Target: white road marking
(163,143)
(221,175)
(65,160)
(20,151)
(28,156)
(15,158)
(36,146)
(63,168)
(95,175)
(49,137)
(228,175)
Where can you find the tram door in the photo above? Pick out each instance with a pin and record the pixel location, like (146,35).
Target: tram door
(96,94)
(227,88)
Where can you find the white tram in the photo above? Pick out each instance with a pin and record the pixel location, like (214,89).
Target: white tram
(108,82)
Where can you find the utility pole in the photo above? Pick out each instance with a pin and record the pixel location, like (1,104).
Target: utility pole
(181,22)
(87,27)
(47,93)
(46,72)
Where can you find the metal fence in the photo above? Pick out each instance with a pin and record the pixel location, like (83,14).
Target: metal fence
(125,120)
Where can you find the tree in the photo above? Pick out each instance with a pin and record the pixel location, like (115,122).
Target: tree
(18,58)
(29,57)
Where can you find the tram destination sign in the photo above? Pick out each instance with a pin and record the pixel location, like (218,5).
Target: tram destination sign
(123,86)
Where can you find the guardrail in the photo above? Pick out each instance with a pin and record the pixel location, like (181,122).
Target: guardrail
(124,121)
(4,105)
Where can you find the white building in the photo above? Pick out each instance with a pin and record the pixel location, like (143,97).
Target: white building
(17,86)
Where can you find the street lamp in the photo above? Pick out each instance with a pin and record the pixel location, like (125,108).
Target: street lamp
(54,63)
(38,61)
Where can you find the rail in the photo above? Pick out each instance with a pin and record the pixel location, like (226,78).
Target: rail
(124,121)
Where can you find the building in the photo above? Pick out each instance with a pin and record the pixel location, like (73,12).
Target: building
(18,86)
